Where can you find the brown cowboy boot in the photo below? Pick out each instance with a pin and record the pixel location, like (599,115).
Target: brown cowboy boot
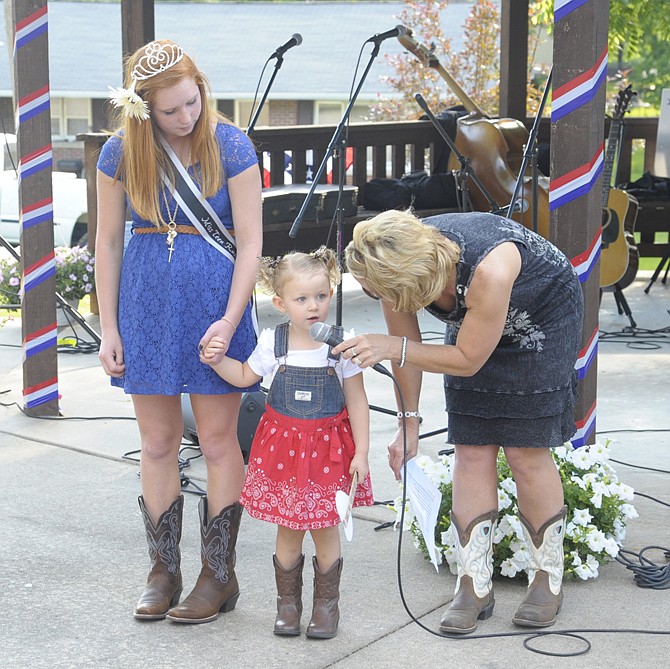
(325,611)
(164,584)
(289,598)
(216,589)
(473,599)
(544,596)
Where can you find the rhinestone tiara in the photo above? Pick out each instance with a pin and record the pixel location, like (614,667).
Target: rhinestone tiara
(157,58)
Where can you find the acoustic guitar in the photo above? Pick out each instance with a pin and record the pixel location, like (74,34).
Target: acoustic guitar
(494,148)
(618,251)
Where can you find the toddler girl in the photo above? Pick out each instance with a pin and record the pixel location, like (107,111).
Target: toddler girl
(312,439)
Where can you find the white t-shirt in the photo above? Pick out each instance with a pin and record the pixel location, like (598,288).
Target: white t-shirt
(263,362)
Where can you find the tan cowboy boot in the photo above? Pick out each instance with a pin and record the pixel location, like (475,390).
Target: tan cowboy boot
(164,584)
(473,599)
(289,598)
(216,589)
(325,610)
(544,596)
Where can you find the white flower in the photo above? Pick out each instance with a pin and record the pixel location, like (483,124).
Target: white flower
(509,486)
(625,492)
(595,539)
(583,572)
(504,501)
(561,452)
(132,104)
(571,530)
(592,564)
(579,481)
(423,461)
(581,517)
(581,458)
(628,511)
(599,452)
(509,568)
(611,547)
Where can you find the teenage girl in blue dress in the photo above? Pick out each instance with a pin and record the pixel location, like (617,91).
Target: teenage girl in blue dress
(159,301)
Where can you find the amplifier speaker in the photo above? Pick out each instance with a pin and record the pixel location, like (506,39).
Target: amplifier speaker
(252,408)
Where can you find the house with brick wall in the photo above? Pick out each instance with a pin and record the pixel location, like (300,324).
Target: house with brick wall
(231,42)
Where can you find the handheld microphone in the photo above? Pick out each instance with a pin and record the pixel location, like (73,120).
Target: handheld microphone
(296,40)
(324,333)
(398,31)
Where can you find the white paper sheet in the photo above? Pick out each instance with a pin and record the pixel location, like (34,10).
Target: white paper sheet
(425,498)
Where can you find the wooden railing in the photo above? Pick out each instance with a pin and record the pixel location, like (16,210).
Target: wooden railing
(377,150)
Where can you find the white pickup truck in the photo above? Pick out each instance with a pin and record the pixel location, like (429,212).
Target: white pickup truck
(69,205)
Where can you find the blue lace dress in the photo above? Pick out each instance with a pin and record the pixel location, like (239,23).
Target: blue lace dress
(525,393)
(166,307)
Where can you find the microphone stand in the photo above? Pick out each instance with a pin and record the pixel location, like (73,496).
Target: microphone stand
(531,151)
(466,172)
(337,143)
(257,113)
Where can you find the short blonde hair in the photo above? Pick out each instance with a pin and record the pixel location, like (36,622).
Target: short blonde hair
(275,273)
(404,261)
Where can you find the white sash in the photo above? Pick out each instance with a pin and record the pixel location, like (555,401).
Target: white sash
(197,209)
(202,215)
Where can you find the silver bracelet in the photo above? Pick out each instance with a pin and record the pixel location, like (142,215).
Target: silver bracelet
(403,352)
(409,414)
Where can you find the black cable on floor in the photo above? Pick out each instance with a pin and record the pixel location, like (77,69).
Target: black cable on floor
(646,573)
(531,635)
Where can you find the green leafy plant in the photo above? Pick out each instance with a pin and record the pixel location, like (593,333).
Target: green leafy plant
(599,508)
(74,274)
(74,271)
(10,280)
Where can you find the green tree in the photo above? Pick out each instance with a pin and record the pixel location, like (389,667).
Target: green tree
(474,69)
(639,31)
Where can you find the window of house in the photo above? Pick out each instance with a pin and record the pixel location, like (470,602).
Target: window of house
(70,116)
(331,112)
(244,112)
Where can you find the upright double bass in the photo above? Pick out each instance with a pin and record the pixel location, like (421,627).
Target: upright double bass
(494,149)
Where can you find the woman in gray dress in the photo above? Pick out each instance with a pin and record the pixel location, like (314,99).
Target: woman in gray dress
(513,307)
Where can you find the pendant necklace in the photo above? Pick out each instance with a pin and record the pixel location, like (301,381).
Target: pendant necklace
(171,225)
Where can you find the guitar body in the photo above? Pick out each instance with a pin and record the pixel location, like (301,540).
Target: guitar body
(614,249)
(633,252)
(485,143)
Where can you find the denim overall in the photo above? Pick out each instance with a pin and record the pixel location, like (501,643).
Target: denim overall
(304,392)
(303,447)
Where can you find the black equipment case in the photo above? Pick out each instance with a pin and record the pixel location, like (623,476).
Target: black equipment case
(281,204)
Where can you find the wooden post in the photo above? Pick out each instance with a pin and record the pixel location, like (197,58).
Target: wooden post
(577,153)
(513,59)
(137,24)
(33,122)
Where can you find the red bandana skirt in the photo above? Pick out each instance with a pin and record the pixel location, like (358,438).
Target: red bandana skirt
(295,468)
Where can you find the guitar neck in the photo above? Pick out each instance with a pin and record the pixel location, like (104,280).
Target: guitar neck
(465,99)
(427,57)
(612,145)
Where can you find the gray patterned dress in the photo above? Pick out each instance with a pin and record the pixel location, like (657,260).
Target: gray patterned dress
(525,393)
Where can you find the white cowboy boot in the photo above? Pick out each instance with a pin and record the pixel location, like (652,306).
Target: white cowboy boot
(473,599)
(544,595)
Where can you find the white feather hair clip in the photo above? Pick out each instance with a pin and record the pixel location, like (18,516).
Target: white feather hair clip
(157,58)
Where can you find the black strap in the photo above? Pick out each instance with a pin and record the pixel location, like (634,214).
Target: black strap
(195,205)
